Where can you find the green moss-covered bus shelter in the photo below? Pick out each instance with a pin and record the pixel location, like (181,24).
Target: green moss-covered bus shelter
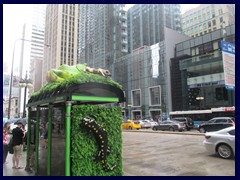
(70,148)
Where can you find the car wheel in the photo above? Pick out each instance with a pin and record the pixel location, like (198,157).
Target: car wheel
(130,128)
(154,128)
(171,129)
(224,151)
(202,130)
(137,128)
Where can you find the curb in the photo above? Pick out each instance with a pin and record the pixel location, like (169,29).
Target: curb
(165,132)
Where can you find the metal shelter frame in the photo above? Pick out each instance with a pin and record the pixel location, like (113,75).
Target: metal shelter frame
(87,93)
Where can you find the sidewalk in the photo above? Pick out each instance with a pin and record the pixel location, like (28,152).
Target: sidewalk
(9,171)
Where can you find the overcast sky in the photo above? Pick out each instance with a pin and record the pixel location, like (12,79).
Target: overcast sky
(14,16)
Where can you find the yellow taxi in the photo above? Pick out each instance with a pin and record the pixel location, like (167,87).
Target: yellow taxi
(131,124)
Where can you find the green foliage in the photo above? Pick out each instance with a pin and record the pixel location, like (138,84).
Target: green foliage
(84,147)
(81,77)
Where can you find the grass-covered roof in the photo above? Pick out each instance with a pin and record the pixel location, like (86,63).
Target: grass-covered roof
(80,78)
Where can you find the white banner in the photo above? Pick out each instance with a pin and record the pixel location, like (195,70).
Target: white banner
(228,56)
(155,60)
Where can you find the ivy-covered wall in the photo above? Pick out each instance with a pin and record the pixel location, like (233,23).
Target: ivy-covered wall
(84,145)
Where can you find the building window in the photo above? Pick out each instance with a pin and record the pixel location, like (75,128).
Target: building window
(220,11)
(221,19)
(214,22)
(204,26)
(136,97)
(209,23)
(155,96)
(221,94)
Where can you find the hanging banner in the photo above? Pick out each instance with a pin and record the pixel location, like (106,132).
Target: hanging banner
(228,57)
(155,59)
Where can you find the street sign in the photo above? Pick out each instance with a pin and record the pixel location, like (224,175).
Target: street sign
(228,56)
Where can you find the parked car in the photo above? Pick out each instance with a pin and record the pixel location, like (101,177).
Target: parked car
(187,121)
(131,124)
(145,123)
(216,124)
(170,126)
(221,142)
(152,122)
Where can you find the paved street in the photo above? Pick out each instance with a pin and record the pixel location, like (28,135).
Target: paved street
(164,154)
(149,153)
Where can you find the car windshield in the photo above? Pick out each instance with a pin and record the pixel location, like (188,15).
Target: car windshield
(211,121)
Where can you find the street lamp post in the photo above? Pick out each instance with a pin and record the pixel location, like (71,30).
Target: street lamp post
(11,77)
(25,83)
(11,80)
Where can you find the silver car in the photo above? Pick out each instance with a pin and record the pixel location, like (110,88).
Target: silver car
(145,124)
(170,125)
(152,122)
(221,142)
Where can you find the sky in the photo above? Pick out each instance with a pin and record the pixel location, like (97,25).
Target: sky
(14,16)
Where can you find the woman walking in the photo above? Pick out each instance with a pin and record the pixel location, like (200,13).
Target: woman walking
(6,139)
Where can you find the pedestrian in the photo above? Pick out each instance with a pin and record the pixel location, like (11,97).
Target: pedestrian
(32,145)
(18,135)
(24,139)
(46,136)
(6,140)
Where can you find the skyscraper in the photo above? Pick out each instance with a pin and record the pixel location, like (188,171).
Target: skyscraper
(146,23)
(102,34)
(207,18)
(37,45)
(61,32)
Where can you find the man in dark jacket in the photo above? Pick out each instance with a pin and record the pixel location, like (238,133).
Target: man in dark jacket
(18,135)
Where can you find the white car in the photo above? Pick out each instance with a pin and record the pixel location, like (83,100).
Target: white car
(221,142)
(152,122)
(145,124)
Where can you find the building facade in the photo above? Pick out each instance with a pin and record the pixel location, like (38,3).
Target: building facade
(145,76)
(14,112)
(37,46)
(207,18)
(102,34)
(197,73)
(146,23)
(14,107)
(61,33)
